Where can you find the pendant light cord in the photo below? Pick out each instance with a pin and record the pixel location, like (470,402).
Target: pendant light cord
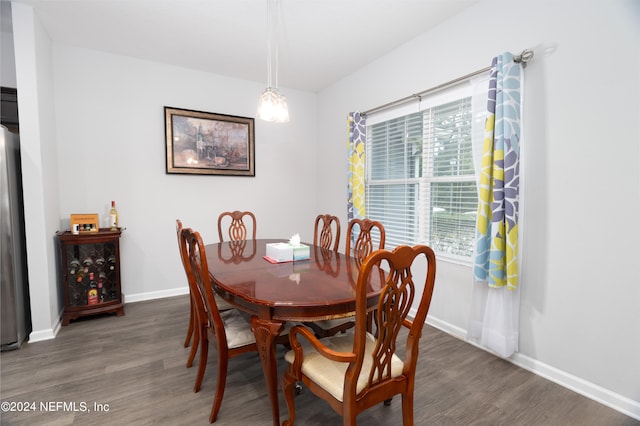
(272,43)
(269,41)
(275,41)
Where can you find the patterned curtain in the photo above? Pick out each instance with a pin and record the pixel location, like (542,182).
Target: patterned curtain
(357,140)
(497,226)
(495,299)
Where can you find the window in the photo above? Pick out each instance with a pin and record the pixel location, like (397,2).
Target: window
(420,180)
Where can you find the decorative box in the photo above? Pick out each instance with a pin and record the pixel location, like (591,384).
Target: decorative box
(84,223)
(301,252)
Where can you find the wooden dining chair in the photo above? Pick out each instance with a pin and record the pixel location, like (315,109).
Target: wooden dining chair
(323,232)
(240,225)
(192,329)
(324,244)
(361,233)
(356,371)
(230,331)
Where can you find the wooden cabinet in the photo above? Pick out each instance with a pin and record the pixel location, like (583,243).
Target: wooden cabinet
(90,273)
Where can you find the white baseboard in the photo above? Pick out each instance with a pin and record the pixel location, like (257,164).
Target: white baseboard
(140,297)
(618,402)
(448,328)
(585,388)
(48,334)
(40,335)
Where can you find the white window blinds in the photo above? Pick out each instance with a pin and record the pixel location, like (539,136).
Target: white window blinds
(420,177)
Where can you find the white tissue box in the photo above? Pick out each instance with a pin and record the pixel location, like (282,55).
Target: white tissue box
(280,252)
(285,252)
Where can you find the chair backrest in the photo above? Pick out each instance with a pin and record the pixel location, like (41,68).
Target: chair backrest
(323,232)
(363,242)
(237,230)
(198,274)
(179,235)
(394,303)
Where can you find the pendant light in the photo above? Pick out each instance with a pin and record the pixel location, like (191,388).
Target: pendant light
(272,105)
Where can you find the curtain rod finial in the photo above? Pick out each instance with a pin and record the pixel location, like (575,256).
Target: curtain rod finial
(524,56)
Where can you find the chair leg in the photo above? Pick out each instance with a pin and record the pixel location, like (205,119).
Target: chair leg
(407,410)
(349,416)
(192,317)
(194,347)
(223,362)
(289,386)
(204,352)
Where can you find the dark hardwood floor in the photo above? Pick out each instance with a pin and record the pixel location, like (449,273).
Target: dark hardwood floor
(133,368)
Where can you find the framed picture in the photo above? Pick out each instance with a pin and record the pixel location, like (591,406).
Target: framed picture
(204,143)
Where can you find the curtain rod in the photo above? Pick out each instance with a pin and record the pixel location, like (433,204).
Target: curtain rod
(524,57)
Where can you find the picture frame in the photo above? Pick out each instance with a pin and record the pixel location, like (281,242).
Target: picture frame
(205,143)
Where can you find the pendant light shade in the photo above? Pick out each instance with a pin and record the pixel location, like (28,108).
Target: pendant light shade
(272,105)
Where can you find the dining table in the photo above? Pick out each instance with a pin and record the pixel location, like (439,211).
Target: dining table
(274,294)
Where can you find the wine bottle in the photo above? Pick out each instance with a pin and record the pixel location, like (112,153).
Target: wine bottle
(102,289)
(113,217)
(111,260)
(100,292)
(81,274)
(99,261)
(74,265)
(92,291)
(87,262)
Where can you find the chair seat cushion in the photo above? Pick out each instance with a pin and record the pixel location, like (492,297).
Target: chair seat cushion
(330,374)
(222,304)
(329,324)
(237,328)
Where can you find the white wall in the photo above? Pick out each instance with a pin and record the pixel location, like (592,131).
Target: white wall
(33,64)
(580,287)
(110,119)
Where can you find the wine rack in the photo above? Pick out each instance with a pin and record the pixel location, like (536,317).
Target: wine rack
(90,261)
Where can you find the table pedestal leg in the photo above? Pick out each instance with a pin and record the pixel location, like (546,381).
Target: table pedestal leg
(265,332)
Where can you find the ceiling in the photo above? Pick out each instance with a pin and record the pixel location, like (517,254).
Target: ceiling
(321,41)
